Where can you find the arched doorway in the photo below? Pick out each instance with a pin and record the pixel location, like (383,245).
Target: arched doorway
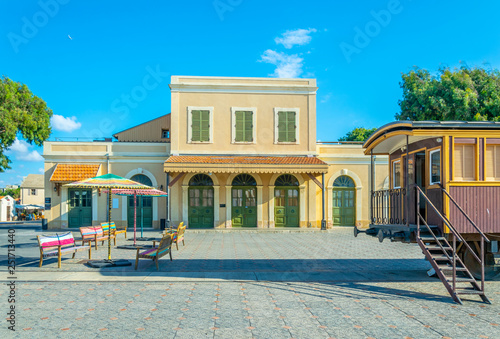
(286,201)
(344,201)
(201,202)
(144,205)
(244,201)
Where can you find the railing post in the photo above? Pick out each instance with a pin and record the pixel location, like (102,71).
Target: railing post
(454,262)
(482,264)
(418,213)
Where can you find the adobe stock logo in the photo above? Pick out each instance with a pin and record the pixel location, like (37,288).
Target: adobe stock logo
(30,27)
(371,29)
(223,6)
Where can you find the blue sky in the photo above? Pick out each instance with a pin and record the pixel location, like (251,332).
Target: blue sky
(104,66)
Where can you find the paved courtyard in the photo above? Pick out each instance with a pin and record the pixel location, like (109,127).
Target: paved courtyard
(245,285)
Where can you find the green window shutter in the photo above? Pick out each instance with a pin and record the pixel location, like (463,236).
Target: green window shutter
(200,125)
(205,126)
(286,127)
(291,126)
(195,125)
(243,126)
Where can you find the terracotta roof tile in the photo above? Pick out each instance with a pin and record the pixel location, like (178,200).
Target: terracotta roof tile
(74,172)
(257,160)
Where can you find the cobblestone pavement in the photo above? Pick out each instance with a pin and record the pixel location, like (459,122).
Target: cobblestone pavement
(250,310)
(304,285)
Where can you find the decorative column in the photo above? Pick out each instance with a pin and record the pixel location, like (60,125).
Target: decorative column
(216,205)
(229,202)
(64,207)
(185,204)
(329,205)
(302,201)
(271,207)
(260,222)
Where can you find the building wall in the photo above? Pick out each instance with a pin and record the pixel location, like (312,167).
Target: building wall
(265,95)
(7,201)
(120,158)
(27,198)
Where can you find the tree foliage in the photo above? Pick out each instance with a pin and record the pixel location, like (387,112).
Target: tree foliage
(21,112)
(14,193)
(468,94)
(358,134)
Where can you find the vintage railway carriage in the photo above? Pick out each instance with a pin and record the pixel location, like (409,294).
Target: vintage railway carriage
(444,192)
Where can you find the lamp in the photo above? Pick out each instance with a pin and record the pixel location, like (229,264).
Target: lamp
(161,187)
(55,188)
(439,139)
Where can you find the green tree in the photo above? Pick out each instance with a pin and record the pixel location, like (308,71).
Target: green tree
(358,134)
(21,112)
(14,193)
(469,94)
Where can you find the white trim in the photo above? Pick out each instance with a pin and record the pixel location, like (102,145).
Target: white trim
(233,125)
(147,173)
(297,124)
(190,121)
(430,167)
(393,176)
(246,90)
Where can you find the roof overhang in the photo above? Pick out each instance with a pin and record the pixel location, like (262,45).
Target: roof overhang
(244,164)
(65,173)
(393,136)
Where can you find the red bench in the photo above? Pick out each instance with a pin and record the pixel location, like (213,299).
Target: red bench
(57,245)
(95,234)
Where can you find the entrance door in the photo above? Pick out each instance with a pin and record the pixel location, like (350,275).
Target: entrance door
(244,207)
(80,207)
(344,202)
(201,207)
(8,213)
(144,212)
(286,207)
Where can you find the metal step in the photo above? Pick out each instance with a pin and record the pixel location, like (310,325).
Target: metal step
(437,257)
(468,291)
(435,248)
(450,268)
(431,238)
(462,280)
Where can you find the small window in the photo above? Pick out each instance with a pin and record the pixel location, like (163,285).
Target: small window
(435,167)
(286,125)
(33,191)
(243,125)
(465,162)
(492,162)
(396,174)
(165,134)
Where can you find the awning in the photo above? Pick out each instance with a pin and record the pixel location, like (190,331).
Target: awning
(74,172)
(244,164)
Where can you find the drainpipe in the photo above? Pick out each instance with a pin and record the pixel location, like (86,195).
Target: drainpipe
(323,221)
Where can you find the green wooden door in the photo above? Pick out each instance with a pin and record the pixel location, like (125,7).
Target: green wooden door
(244,206)
(201,207)
(144,212)
(286,207)
(80,207)
(344,206)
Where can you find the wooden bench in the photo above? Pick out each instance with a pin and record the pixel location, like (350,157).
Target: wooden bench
(95,234)
(114,230)
(57,245)
(155,253)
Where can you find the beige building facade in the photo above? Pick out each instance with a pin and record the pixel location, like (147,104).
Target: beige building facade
(33,190)
(233,153)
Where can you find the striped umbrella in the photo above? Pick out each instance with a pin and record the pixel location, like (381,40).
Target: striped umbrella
(134,193)
(108,181)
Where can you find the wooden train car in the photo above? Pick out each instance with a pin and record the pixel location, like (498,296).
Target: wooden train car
(444,194)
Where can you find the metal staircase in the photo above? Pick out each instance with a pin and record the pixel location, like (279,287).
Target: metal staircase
(443,256)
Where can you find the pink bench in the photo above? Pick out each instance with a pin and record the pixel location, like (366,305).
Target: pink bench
(57,245)
(95,234)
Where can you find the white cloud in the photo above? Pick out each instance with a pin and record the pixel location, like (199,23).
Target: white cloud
(40,170)
(20,146)
(287,66)
(297,37)
(29,156)
(60,123)
(325,98)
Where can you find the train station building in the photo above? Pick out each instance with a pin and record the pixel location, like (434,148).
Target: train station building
(233,153)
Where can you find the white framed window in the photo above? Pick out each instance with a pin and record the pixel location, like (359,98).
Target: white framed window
(165,134)
(200,124)
(33,191)
(286,125)
(244,125)
(396,174)
(435,167)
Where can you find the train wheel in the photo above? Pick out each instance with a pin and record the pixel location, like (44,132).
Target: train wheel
(474,266)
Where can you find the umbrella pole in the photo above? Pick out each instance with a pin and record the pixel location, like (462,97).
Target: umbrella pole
(109,224)
(135,214)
